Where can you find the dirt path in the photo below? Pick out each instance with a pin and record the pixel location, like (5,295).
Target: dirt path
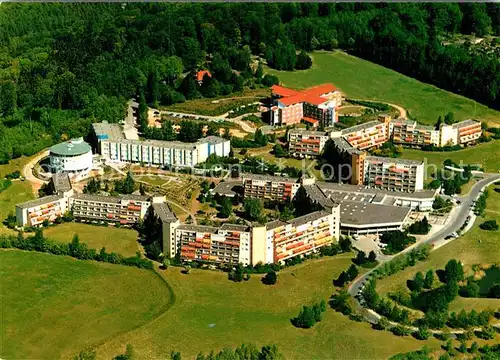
(402,111)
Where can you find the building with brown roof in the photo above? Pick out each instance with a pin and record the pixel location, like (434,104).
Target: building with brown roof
(316,105)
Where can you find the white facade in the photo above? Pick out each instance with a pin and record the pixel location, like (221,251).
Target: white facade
(35,212)
(448,135)
(74,156)
(163,153)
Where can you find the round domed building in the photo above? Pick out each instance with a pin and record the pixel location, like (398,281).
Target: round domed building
(73,156)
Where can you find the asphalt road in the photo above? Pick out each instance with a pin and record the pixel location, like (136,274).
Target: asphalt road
(436,239)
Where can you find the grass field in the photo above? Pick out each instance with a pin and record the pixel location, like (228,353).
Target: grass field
(475,247)
(212,312)
(122,241)
(220,105)
(362,79)
(63,305)
(486,154)
(18,192)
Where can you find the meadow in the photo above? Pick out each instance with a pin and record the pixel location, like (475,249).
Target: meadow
(476,247)
(120,240)
(63,305)
(211,313)
(18,192)
(361,79)
(486,154)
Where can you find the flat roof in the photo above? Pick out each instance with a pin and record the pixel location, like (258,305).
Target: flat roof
(268,178)
(109,199)
(235,227)
(467,122)
(360,127)
(40,201)
(226,187)
(213,140)
(317,195)
(73,147)
(61,181)
(307,132)
(105,131)
(198,228)
(394,160)
(275,224)
(343,145)
(301,220)
(366,214)
(328,187)
(164,212)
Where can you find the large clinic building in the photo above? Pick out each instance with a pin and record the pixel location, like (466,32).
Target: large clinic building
(113,146)
(273,242)
(123,209)
(73,157)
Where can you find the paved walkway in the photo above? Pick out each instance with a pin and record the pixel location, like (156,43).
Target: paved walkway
(27,171)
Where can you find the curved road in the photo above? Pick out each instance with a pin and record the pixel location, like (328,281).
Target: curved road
(36,183)
(436,240)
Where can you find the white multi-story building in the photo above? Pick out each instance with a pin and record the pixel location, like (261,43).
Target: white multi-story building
(273,242)
(113,146)
(125,209)
(394,174)
(72,157)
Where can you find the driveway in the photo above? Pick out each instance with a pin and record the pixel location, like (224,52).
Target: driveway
(27,171)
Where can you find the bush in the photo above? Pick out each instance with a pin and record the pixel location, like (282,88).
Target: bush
(422,334)
(401,330)
(487,333)
(340,302)
(309,316)
(490,225)
(271,278)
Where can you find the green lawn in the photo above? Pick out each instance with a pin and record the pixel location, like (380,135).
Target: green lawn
(486,154)
(362,79)
(120,240)
(220,105)
(211,312)
(475,247)
(18,192)
(54,306)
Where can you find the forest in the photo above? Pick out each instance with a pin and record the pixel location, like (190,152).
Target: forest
(63,66)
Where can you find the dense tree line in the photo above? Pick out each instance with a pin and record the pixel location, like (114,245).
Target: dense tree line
(63,66)
(75,248)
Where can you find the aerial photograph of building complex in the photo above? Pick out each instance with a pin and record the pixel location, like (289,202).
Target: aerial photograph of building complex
(249,180)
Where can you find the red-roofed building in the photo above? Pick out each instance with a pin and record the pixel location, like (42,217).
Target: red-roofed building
(201,74)
(319,103)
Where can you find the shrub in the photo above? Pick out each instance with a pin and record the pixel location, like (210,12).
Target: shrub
(422,334)
(271,278)
(490,225)
(401,330)
(487,333)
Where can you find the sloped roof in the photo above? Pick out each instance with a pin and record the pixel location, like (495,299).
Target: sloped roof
(311,95)
(200,74)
